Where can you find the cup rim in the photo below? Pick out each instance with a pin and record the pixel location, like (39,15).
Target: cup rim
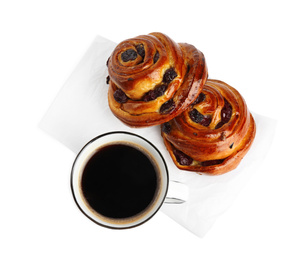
(124,133)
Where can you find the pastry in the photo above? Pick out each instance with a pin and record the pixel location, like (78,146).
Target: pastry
(152,79)
(213,134)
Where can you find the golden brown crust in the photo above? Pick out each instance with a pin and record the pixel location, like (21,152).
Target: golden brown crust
(151,97)
(213,135)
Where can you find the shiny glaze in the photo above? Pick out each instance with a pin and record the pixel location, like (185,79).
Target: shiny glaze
(159,61)
(215,149)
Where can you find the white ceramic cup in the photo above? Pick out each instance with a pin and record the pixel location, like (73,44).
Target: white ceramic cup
(178,192)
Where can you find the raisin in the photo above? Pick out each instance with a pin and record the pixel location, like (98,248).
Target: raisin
(166,128)
(155,93)
(129,55)
(197,117)
(212,162)
(182,158)
(107,79)
(141,50)
(156,57)
(226,112)
(120,96)
(200,98)
(167,107)
(149,96)
(160,90)
(169,75)
(220,124)
(206,120)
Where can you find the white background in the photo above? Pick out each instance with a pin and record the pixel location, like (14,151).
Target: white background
(259,48)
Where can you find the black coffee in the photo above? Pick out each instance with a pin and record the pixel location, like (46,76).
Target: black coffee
(119,181)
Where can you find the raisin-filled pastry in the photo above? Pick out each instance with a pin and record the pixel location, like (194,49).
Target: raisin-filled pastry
(213,134)
(152,79)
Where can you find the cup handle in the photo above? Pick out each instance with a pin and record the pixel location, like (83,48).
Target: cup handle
(177,193)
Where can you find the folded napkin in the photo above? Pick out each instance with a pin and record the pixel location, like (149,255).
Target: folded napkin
(80,112)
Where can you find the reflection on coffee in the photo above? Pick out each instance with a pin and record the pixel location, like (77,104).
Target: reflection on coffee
(120,181)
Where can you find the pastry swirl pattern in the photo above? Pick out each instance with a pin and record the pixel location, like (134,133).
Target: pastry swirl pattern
(213,134)
(152,79)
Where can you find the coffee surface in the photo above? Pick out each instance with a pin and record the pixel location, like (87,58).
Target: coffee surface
(119,181)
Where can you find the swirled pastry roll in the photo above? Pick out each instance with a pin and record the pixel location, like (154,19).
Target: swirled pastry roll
(152,79)
(213,134)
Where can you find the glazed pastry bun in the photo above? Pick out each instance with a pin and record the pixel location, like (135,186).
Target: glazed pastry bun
(152,79)
(213,134)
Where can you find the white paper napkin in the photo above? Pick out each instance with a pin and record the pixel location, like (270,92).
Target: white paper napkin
(80,112)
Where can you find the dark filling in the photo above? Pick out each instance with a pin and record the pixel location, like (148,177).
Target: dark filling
(226,114)
(212,162)
(197,117)
(167,107)
(166,128)
(128,55)
(186,160)
(169,75)
(107,79)
(181,158)
(156,57)
(155,93)
(141,50)
(120,96)
(199,99)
